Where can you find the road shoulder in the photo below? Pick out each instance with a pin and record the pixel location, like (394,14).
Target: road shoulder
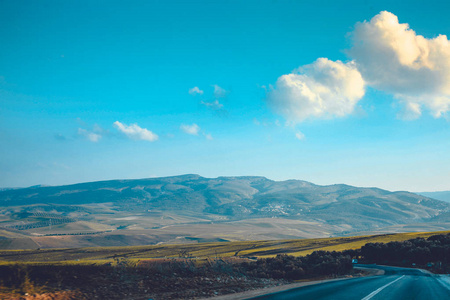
(285,287)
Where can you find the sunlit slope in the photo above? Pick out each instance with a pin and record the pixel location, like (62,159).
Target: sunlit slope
(202,250)
(340,208)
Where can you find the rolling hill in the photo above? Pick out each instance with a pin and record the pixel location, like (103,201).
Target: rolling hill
(191,208)
(443,196)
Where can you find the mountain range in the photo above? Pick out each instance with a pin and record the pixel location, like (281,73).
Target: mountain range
(194,208)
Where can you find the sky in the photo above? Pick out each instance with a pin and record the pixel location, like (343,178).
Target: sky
(354,92)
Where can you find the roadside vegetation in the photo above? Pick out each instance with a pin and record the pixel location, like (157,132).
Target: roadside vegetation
(188,277)
(182,278)
(432,253)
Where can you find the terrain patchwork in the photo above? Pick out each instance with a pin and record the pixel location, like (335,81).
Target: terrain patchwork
(193,209)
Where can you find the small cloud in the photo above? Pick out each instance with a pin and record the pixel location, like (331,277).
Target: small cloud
(219,92)
(410,111)
(215,105)
(93,135)
(195,90)
(135,132)
(193,129)
(90,135)
(299,135)
(96,128)
(208,136)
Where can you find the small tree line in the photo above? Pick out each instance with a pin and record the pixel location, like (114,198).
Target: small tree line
(318,263)
(431,252)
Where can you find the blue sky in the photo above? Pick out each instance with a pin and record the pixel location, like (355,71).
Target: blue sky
(324,91)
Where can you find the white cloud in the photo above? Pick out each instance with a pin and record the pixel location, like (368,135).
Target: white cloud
(299,135)
(410,111)
(208,136)
(195,90)
(393,58)
(135,132)
(215,105)
(219,92)
(193,129)
(323,89)
(90,135)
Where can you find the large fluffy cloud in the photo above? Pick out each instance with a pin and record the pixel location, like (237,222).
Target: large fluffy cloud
(393,58)
(323,89)
(135,132)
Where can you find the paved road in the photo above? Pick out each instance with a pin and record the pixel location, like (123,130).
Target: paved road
(396,283)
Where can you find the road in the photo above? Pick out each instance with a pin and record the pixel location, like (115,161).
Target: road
(396,283)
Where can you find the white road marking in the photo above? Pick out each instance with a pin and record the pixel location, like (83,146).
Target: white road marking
(371,295)
(444,280)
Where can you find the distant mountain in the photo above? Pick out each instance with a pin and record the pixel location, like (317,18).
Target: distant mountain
(6,189)
(443,196)
(242,198)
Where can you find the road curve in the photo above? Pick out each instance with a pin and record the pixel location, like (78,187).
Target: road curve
(396,283)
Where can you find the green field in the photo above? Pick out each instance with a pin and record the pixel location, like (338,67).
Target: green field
(297,247)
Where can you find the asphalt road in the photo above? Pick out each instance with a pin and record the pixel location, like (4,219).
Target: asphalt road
(396,283)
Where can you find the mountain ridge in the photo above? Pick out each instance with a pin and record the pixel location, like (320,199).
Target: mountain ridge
(221,189)
(226,207)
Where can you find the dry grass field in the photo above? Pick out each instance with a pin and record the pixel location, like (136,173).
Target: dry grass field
(298,247)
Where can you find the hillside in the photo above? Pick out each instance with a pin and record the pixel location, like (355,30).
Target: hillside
(443,196)
(191,208)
